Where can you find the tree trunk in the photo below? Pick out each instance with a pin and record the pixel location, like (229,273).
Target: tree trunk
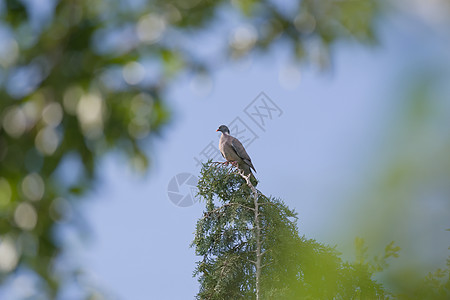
(257,230)
(258,244)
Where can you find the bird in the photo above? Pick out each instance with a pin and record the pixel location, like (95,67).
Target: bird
(233,151)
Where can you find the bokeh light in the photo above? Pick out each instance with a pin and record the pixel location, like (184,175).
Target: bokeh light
(47,140)
(25,216)
(90,115)
(33,109)
(9,254)
(243,38)
(71,97)
(9,52)
(133,73)
(33,187)
(150,28)
(14,121)
(60,210)
(52,114)
(305,23)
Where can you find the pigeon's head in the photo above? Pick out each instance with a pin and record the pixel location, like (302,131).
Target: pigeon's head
(223,129)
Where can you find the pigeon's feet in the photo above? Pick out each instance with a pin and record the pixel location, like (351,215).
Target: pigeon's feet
(229,162)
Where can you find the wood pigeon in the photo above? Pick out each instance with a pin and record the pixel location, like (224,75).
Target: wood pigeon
(232,150)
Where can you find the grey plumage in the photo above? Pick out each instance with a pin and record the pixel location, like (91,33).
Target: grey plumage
(233,150)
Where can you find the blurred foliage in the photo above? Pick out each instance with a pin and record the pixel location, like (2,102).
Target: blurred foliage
(407,199)
(294,267)
(76,82)
(379,262)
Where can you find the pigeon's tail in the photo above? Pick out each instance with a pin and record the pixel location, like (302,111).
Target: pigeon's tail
(248,170)
(249,164)
(253,180)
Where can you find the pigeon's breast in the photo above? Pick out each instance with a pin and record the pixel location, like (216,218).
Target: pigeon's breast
(227,149)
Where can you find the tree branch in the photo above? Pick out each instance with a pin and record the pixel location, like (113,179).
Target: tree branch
(209,213)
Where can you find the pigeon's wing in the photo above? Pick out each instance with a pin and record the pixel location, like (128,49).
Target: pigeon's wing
(240,151)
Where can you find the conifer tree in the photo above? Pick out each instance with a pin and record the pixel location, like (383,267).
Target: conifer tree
(251,248)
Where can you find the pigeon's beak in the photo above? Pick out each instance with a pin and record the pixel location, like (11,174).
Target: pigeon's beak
(217,130)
